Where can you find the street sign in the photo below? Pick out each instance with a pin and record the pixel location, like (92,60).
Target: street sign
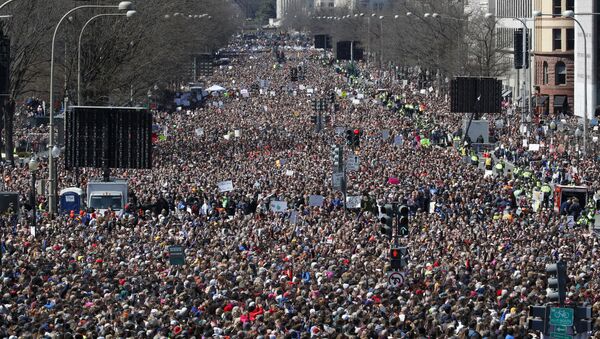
(561,316)
(395,279)
(560,329)
(176,255)
(560,336)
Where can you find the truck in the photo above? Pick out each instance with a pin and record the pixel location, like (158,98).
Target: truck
(102,195)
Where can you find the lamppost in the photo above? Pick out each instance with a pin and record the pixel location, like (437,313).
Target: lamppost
(381,41)
(123,5)
(6,3)
(33,167)
(526,94)
(128,14)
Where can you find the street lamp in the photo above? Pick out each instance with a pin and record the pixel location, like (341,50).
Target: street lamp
(123,5)
(381,41)
(6,3)
(129,14)
(525,62)
(33,167)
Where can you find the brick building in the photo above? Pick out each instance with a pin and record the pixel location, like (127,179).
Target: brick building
(554,57)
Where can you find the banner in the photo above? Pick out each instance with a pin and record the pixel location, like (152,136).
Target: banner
(225,186)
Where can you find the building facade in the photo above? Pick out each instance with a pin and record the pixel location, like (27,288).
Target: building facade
(554,47)
(504,10)
(590,24)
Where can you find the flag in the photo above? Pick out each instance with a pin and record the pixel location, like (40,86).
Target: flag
(278,206)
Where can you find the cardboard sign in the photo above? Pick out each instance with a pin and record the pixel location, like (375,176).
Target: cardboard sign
(225,186)
(315,200)
(353,202)
(176,255)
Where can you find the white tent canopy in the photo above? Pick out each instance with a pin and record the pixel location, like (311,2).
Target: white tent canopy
(215,88)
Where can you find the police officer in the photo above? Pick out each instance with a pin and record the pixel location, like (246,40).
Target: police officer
(474,159)
(488,163)
(547,191)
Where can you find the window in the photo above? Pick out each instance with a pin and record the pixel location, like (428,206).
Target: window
(561,73)
(570,39)
(570,5)
(556,7)
(545,73)
(556,39)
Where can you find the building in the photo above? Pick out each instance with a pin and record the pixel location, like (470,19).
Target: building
(590,24)
(554,45)
(286,8)
(293,7)
(504,10)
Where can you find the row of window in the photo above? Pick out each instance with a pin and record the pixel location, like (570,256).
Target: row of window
(557,7)
(557,39)
(560,73)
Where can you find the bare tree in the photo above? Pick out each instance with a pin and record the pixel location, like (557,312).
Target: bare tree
(486,58)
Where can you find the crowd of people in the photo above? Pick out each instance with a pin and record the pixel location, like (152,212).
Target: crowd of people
(477,254)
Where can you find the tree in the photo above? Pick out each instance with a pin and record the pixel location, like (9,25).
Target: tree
(266,11)
(486,57)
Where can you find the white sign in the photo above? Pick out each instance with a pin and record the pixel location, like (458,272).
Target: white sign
(395,279)
(534,147)
(432,206)
(353,202)
(245,93)
(289,173)
(225,186)
(353,163)
(338,178)
(278,206)
(199,131)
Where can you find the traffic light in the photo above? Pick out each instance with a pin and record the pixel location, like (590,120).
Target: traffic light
(338,157)
(398,258)
(518,49)
(353,137)
(583,319)
(356,138)
(403,221)
(538,316)
(349,137)
(557,282)
(294,74)
(387,217)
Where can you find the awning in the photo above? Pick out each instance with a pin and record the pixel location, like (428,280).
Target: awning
(560,100)
(539,100)
(507,93)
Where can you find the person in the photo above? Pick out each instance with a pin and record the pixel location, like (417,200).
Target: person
(575,208)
